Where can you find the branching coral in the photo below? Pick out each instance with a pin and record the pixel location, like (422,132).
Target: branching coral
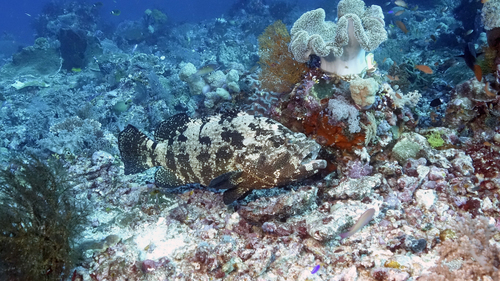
(279,70)
(341,47)
(38,221)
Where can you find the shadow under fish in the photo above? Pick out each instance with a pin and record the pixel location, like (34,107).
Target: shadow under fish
(233,151)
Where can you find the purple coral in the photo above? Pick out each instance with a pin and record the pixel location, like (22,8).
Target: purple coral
(358,170)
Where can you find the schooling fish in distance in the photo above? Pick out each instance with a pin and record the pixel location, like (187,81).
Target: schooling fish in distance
(401,3)
(398,13)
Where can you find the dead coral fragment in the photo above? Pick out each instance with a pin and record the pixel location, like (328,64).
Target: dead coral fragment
(279,70)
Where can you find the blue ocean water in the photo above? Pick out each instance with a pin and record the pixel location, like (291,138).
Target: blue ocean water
(16,17)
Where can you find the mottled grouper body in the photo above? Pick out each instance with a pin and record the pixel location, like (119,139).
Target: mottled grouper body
(234,151)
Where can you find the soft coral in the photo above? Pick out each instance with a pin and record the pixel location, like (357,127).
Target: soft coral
(279,70)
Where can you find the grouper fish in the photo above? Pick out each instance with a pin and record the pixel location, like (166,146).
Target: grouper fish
(234,151)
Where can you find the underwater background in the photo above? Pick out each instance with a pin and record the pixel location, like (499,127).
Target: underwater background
(291,140)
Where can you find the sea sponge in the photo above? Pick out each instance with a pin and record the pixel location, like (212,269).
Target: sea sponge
(212,98)
(216,79)
(363,91)
(189,75)
(341,47)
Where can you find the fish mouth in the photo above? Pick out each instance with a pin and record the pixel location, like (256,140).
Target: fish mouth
(310,155)
(309,161)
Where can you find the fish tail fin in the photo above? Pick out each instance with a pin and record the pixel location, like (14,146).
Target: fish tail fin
(136,150)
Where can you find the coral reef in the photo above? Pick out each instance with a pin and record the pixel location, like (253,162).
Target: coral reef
(40,60)
(411,145)
(215,86)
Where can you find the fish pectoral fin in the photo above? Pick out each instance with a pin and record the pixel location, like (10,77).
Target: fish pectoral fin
(227,180)
(234,194)
(166,179)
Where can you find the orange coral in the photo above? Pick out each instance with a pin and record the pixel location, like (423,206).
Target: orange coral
(279,70)
(330,135)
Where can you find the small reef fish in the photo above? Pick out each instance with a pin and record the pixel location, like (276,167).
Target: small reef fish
(478,72)
(401,26)
(398,13)
(468,32)
(436,102)
(315,269)
(204,70)
(487,90)
(484,1)
(424,68)
(365,218)
(401,3)
(393,78)
(469,55)
(233,151)
(116,12)
(447,64)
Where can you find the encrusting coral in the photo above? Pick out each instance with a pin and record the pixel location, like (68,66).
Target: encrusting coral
(363,91)
(489,14)
(341,47)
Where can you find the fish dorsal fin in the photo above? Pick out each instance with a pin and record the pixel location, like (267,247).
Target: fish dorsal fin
(172,127)
(227,180)
(166,179)
(234,194)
